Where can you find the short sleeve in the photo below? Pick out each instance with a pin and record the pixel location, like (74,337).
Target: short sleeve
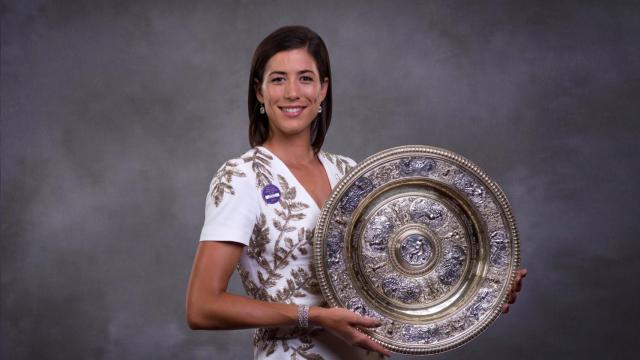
(231,206)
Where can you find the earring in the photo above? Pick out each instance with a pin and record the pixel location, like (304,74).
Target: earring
(262,109)
(320,109)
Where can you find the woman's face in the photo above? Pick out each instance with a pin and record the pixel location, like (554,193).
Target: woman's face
(291,92)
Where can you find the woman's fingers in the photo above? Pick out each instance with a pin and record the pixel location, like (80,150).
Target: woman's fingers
(518,285)
(520,274)
(523,272)
(362,340)
(513,292)
(347,324)
(374,346)
(367,343)
(365,321)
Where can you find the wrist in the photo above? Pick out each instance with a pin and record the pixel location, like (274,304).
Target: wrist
(315,315)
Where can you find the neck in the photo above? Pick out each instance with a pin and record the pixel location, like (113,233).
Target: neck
(291,150)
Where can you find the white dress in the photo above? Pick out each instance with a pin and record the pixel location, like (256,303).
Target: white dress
(255,200)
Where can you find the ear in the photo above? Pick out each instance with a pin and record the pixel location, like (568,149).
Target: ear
(258,89)
(323,89)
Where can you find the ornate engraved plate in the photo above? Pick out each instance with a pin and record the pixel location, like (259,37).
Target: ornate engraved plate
(421,239)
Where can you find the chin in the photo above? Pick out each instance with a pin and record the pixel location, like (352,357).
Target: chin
(295,132)
(293,127)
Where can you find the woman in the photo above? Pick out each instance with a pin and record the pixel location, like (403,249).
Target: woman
(261,210)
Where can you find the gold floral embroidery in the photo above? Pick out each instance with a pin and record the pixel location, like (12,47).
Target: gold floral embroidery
(266,339)
(222,181)
(341,163)
(290,211)
(260,163)
(301,281)
(272,262)
(257,247)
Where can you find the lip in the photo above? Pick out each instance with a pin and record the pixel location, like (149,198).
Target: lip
(292,111)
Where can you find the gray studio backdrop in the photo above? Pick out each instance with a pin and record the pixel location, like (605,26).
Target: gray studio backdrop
(115,114)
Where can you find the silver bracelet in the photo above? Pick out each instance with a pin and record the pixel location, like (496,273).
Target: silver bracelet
(303,316)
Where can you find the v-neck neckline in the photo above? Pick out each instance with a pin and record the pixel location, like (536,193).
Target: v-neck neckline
(324,165)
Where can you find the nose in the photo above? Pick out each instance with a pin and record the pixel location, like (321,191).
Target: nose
(291,90)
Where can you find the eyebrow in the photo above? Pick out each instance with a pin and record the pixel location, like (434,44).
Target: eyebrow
(277,72)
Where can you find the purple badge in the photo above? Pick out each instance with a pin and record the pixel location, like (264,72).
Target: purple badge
(271,194)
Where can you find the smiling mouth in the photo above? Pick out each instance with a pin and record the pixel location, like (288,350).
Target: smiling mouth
(292,111)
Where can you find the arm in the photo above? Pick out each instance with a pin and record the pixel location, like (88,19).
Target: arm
(210,307)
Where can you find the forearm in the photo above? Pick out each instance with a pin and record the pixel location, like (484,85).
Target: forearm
(226,311)
(210,306)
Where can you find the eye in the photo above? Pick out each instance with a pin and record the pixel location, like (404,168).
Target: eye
(277,79)
(306,78)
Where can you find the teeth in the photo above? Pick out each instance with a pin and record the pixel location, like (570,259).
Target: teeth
(291,110)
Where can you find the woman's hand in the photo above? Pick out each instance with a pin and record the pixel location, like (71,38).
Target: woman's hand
(345,324)
(513,292)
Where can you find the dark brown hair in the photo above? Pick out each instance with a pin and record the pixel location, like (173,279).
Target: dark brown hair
(283,39)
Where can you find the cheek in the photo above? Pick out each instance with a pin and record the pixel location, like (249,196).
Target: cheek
(271,93)
(313,93)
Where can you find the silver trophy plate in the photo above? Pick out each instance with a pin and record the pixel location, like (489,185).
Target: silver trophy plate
(424,241)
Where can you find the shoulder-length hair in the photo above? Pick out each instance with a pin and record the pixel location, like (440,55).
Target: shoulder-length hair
(283,39)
